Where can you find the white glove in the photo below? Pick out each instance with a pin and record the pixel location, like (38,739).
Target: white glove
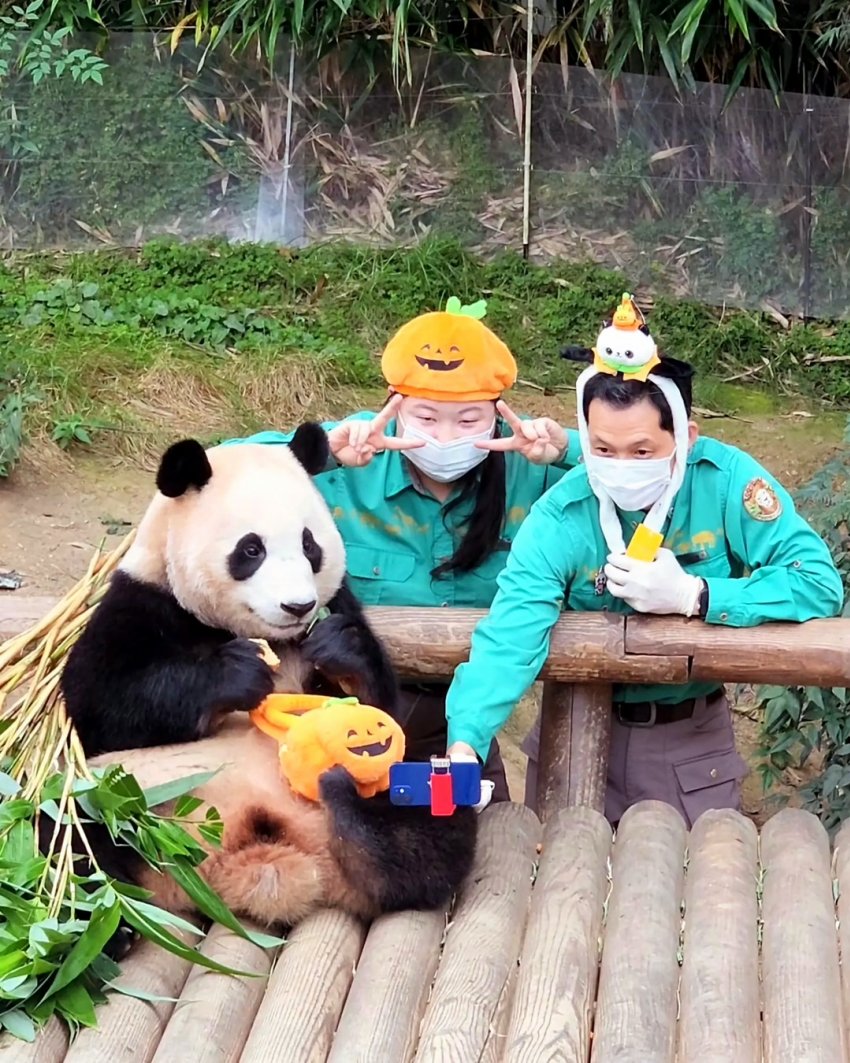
(487,786)
(659,586)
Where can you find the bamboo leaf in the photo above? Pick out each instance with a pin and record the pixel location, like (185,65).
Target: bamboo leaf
(765,11)
(636,21)
(101,927)
(19,1024)
(168,941)
(736,12)
(209,902)
(170,791)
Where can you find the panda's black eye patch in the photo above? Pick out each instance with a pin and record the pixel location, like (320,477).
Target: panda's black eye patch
(246,557)
(312,550)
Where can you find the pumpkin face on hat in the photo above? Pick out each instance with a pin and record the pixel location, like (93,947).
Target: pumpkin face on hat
(450,356)
(360,738)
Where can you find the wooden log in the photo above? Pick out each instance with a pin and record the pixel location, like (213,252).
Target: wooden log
(584,648)
(483,940)
(815,653)
(575,734)
(552,1014)
(719,1012)
(50,1045)
(306,991)
(129,1027)
(800,969)
(381,1016)
(639,976)
(215,1011)
(595,647)
(841,863)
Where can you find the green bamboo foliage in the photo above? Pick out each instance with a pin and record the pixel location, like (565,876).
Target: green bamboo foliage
(767,43)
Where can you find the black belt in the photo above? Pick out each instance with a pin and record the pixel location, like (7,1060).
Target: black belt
(651,713)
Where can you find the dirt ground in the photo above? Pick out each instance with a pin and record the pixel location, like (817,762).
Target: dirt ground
(54,513)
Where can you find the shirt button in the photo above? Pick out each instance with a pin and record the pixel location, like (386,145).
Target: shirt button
(724,616)
(796,564)
(713,773)
(443,604)
(376,571)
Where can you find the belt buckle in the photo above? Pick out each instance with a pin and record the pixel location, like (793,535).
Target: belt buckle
(638,723)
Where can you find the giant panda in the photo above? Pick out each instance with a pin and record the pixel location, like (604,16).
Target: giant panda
(238,544)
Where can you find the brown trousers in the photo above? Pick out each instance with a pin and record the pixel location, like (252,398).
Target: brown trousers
(422,714)
(690,764)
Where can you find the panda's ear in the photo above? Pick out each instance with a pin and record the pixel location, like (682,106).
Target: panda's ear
(310,446)
(184,465)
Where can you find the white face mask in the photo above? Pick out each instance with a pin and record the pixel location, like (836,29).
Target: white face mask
(445,462)
(631,483)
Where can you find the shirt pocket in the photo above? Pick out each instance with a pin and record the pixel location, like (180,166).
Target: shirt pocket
(376,575)
(714,562)
(477,589)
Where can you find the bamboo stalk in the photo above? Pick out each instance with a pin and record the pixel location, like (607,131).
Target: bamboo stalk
(39,739)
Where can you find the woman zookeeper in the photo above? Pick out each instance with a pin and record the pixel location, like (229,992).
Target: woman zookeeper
(429,492)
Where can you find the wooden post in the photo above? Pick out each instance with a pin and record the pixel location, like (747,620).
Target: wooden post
(575,732)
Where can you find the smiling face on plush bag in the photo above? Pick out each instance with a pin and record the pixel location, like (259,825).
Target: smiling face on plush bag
(449,355)
(316,734)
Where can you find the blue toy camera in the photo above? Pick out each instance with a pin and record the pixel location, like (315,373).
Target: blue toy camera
(440,783)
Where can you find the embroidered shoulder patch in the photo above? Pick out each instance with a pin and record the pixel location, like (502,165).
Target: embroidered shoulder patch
(761,501)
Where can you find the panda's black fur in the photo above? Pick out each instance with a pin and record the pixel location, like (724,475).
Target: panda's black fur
(146,672)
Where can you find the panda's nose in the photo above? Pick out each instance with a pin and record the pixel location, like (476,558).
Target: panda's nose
(298,609)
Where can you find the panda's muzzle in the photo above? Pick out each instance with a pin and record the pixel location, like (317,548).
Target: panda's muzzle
(374,749)
(298,609)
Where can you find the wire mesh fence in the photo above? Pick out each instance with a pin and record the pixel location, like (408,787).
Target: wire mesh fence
(745,206)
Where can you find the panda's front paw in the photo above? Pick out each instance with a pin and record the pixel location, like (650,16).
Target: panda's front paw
(245,680)
(337,785)
(335,647)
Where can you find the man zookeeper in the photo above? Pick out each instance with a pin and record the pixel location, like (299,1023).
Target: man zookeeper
(710,534)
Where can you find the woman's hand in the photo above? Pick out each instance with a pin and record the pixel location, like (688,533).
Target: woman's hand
(357,442)
(540,441)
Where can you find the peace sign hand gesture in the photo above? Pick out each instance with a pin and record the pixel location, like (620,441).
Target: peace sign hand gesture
(357,442)
(540,441)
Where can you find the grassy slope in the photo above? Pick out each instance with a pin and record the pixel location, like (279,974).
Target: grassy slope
(220,339)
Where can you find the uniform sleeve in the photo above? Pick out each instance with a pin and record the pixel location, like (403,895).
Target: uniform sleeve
(572,455)
(511,643)
(791,573)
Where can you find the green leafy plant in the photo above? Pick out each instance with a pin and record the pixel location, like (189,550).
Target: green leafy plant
(802,722)
(59,911)
(33,51)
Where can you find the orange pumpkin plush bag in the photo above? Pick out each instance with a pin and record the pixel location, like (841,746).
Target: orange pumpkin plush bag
(316,734)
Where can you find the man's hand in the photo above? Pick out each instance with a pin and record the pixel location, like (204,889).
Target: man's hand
(461,753)
(357,442)
(540,441)
(659,586)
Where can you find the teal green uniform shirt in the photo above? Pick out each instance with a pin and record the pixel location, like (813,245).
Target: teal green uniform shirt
(395,534)
(757,567)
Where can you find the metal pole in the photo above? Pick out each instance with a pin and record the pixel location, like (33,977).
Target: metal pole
(526,181)
(287,151)
(807,223)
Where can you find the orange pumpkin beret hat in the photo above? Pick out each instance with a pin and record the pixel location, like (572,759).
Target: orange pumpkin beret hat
(450,356)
